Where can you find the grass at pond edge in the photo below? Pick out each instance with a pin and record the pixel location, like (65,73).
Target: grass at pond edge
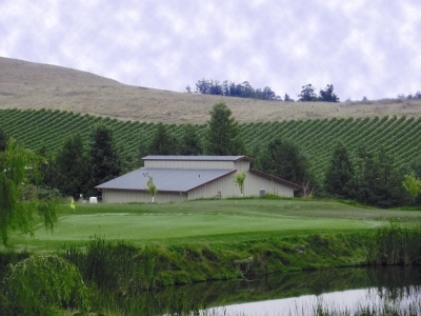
(153,266)
(121,270)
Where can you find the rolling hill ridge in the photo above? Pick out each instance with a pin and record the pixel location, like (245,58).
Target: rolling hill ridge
(27,85)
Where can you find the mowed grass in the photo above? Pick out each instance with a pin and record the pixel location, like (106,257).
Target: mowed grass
(207,221)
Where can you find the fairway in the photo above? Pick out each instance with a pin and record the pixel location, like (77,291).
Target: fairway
(207,221)
(167,226)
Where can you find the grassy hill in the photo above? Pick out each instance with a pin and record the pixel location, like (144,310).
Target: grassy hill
(400,136)
(26,85)
(41,104)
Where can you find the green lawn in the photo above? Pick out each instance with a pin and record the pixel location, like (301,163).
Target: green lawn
(207,221)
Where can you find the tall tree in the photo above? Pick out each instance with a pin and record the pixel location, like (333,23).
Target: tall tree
(18,165)
(3,140)
(377,180)
(327,95)
(223,136)
(339,173)
(162,142)
(71,167)
(284,159)
(126,160)
(104,163)
(307,94)
(190,143)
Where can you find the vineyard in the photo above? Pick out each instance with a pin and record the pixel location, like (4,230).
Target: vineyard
(317,138)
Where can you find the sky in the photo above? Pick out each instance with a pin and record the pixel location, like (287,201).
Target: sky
(366,48)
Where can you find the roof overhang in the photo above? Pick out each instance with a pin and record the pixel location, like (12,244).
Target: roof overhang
(295,186)
(197,158)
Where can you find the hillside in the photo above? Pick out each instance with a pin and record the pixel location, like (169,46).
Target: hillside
(26,85)
(317,138)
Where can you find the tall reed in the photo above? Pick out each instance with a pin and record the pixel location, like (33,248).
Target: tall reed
(395,245)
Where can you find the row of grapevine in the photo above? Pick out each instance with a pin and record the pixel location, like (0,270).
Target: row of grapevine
(317,138)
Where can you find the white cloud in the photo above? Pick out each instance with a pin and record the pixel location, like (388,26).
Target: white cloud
(363,48)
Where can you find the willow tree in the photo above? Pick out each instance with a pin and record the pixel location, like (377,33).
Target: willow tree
(18,168)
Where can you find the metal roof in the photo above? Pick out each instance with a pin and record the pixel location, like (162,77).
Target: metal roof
(295,186)
(166,180)
(198,158)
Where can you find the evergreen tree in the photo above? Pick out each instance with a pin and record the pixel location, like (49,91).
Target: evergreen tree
(339,173)
(190,142)
(361,186)
(223,136)
(71,167)
(162,143)
(104,163)
(377,180)
(284,159)
(3,140)
(126,160)
(389,188)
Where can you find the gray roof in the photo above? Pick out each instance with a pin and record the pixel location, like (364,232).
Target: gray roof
(198,158)
(166,180)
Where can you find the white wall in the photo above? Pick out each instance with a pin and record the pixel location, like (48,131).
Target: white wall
(125,196)
(254,183)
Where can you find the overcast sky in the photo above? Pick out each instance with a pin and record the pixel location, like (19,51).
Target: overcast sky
(366,48)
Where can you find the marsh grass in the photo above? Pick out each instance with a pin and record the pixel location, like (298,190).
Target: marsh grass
(396,245)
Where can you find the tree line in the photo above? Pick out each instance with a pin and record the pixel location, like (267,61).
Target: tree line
(245,90)
(366,176)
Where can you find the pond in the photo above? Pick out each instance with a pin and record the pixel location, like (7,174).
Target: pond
(326,292)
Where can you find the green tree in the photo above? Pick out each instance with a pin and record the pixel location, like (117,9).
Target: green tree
(339,173)
(190,143)
(152,189)
(126,160)
(18,166)
(412,185)
(307,94)
(239,179)
(223,136)
(3,140)
(284,159)
(104,163)
(71,167)
(327,95)
(377,180)
(162,143)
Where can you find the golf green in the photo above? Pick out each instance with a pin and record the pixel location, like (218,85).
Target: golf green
(166,226)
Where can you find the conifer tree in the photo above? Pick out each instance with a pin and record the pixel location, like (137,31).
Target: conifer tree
(162,143)
(71,167)
(339,173)
(104,163)
(3,140)
(284,159)
(190,142)
(223,136)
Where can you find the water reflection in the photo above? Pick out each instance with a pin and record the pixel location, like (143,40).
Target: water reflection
(287,294)
(351,302)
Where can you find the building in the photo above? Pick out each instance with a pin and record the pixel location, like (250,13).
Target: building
(180,178)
